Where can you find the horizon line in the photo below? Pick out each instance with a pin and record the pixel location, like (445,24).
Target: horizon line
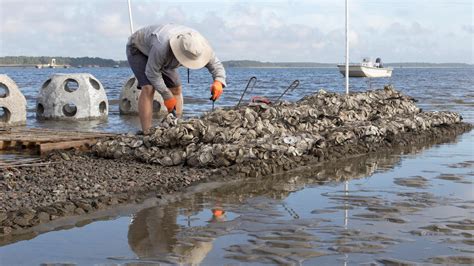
(253,60)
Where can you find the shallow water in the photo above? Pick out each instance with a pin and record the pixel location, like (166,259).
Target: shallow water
(439,89)
(414,205)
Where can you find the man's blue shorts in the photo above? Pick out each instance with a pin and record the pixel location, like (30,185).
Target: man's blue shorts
(137,61)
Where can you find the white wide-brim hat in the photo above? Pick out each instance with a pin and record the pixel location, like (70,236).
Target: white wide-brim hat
(191,49)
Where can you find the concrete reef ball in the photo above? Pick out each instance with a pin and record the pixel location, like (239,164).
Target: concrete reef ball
(12,103)
(129,99)
(72,97)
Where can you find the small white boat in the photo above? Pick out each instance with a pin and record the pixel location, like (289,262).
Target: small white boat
(367,69)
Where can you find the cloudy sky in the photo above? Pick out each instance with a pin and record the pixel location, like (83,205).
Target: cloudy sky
(278,30)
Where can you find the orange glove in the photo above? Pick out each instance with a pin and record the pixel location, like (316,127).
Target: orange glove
(170,104)
(216,90)
(218,212)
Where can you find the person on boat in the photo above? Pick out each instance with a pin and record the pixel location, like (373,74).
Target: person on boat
(378,62)
(154,54)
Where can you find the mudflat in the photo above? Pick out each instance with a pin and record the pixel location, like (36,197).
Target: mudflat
(252,140)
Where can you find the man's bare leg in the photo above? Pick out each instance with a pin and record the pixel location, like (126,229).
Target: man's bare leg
(145,107)
(178,94)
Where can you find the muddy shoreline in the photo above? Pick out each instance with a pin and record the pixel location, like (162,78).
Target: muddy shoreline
(75,183)
(25,207)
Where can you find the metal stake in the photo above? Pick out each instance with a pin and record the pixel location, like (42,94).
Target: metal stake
(292,87)
(252,80)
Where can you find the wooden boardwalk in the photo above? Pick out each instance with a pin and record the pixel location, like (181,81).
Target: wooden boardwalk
(42,141)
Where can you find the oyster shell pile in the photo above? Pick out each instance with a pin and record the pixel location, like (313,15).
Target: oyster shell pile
(278,133)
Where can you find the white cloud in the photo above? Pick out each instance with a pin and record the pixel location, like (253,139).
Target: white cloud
(268,30)
(468,28)
(403,29)
(113,25)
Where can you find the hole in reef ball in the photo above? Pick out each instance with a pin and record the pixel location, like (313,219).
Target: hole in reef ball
(4,115)
(40,109)
(125,105)
(129,83)
(94,83)
(70,109)
(102,107)
(4,91)
(156,106)
(45,84)
(71,85)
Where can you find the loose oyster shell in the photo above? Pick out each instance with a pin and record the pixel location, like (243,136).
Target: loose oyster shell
(283,132)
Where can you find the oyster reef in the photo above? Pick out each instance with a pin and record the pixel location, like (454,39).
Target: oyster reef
(263,139)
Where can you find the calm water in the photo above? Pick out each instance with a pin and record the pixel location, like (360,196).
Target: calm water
(441,89)
(413,205)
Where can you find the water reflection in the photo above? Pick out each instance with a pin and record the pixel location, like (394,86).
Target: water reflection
(276,229)
(153,234)
(184,231)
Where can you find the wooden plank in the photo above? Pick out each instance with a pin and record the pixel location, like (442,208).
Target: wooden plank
(45,140)
(28,144)
(57,133)
(11,144)
(25,165)
(17,161)
(50,146)
(51,136)
(16,145)
(49,131)
(40,138)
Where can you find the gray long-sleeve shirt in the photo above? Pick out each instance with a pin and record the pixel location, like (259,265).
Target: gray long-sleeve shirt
(154,42)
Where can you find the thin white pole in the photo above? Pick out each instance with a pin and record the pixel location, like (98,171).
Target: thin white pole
(346,209)
(347,47)
(130,17)
(346,214)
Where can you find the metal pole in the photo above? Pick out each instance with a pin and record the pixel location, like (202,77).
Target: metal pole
(130,17)
(347,47)
(346,214)
(346,207)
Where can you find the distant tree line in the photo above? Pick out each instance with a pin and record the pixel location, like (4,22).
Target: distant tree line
(252,63)
(101,62)
(72,61)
